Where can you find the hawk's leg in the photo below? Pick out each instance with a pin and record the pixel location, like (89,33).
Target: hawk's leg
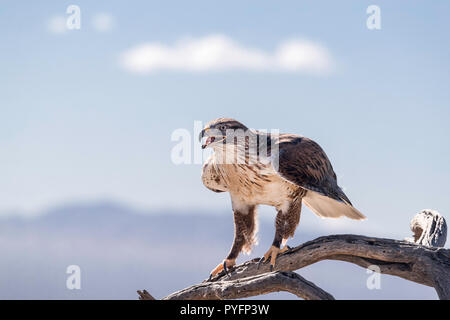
(245,229)
(285,224)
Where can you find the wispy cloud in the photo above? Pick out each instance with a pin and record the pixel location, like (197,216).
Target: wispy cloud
(220,53)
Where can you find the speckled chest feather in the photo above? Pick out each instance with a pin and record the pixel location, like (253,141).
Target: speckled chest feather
(252,184)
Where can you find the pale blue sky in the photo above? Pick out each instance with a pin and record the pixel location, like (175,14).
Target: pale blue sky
(76,126)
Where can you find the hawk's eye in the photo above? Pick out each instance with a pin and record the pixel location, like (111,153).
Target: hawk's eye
(223,127)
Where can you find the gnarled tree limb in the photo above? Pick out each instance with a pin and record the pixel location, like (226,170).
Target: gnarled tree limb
(251,286)
(429,228)
(416,262)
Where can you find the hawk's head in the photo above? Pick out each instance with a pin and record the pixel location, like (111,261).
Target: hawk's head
(219,129)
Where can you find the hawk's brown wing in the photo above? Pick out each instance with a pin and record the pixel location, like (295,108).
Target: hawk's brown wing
(303,162)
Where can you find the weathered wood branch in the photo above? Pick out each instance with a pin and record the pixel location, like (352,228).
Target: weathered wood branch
(412,261)
(429,228)
(252,286)
(144,295)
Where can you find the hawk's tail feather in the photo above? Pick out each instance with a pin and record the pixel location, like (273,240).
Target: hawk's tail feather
(327,207)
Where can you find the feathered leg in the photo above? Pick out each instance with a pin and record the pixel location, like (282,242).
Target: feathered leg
(285,224)
(245,229)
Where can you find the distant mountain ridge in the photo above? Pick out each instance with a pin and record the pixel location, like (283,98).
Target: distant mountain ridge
(120,250)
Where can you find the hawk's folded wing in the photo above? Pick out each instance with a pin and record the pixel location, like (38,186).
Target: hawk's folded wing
(303,162)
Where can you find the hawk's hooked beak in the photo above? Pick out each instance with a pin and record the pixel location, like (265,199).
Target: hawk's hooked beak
(204,133)
(211,135)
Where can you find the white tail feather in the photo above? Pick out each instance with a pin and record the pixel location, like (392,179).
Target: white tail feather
(327,207)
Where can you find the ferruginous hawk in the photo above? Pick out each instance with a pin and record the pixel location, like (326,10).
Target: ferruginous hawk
(282,170)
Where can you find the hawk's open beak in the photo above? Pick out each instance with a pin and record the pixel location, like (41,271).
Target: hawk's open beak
(212,135)
(209,140)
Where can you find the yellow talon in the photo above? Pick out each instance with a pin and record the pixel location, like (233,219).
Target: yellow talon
(273,253)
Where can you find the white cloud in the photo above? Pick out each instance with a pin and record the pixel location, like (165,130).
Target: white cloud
(103,22)
(57,25)
(219,52)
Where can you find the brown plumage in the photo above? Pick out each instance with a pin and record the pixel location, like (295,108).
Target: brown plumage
(292,170)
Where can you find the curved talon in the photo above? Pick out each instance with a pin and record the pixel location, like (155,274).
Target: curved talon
(225,268)
(259,263)
(272,253)
(227,263)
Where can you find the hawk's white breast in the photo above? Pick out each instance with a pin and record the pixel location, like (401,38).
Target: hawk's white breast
(250,183)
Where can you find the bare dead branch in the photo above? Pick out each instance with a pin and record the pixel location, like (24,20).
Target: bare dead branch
(412,261)
(429,228)
(416,263)
(144,295)
(251,286)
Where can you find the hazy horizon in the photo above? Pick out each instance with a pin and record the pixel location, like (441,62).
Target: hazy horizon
(119,251)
